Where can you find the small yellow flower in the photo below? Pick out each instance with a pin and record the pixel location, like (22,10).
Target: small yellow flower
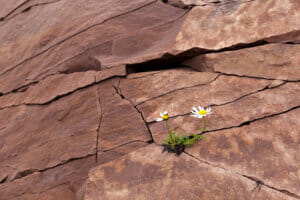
(200,112)
(164,116)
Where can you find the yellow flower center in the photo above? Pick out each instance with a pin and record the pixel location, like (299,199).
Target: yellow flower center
(202,112)
(165,117)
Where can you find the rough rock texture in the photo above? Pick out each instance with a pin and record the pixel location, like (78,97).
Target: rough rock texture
(232,114)
(65,182)
(148,174)
(212,2)
(201,88)
(274,61)
(120,122)
(267,150)
(58,85)
(245,23)
(29,133)
(71,98)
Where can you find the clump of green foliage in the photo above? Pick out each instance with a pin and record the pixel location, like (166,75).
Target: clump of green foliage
(176,143)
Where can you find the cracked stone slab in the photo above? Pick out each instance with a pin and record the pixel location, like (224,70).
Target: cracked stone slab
(273,61)
(211,2)
(149,174)
(8,6)
(37,137)
(224,89)
(99,46)
(58,85)
(121,122)
(234,24)
(37,31)
(65,182)
(115,153)
(138,90)
(267,150)
(251,107)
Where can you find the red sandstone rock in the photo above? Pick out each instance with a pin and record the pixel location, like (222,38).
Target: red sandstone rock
(248,108)
(148,174)
(274,61)
(267,150)
(121,122)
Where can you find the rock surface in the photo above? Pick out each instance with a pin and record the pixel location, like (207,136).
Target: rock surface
(72,102)
(274,61)
(267,150)
(149,174)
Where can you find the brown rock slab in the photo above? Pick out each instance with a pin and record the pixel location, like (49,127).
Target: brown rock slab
(121,122)
(138,90)
(231,24)
(65,182)
(101,40)
(267,149)
(115,153)
(248,108)
(38,32)
(34,138)
(149,174)
(210,2)
(58,85)
(273,61)
(9,6)
(223,90)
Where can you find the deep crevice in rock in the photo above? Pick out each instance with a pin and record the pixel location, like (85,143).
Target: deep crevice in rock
(3,180)
(169,61)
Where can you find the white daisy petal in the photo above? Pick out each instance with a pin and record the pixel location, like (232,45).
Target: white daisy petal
(195,109)
(166,112)
(208,109)
(161,114)
(159,119)
(200,108)
(194,112)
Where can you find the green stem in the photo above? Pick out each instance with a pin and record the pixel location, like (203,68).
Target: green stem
(169,127)
(204,124)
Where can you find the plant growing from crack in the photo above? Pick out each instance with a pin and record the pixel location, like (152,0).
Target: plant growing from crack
(201,113)
(176,143)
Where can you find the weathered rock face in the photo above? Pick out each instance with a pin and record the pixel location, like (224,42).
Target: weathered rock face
(233,24)
(68,104)
(94,40)
(29,133)
(65,182)
(148,174)
(267,150)
(121,122)
(212,2)
(67,47)
(274,61)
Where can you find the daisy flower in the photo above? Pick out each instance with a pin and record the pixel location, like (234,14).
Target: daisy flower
(200,112)
(163,116)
